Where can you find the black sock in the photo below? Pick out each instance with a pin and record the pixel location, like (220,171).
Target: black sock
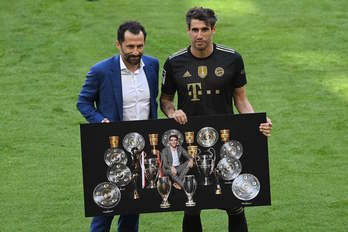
(192,222)
(237,222)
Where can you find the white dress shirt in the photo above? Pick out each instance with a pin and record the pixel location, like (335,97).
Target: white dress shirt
(135,93)
(175,157)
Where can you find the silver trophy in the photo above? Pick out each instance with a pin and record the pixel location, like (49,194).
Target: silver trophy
(206,165)
(168,133)
(134,143)
(190,186)
(246,187)
(114,155)
(164,185)
(119,174)
(151,171)
(207,137)
(229,168)
(106,195)
(232,148)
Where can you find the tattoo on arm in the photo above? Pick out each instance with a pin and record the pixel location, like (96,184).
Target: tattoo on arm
(167,104)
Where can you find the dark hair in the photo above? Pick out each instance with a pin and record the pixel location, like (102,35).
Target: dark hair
(173,135)
(132,26)
(204,14)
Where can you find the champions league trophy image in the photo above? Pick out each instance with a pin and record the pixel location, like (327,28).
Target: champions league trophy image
(164,185)
(207,137)
(114,155)
(151,171)
(134,143)
(190,186)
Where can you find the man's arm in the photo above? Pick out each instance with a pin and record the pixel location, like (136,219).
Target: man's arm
(168,108)
(165,166)
(243,106)
(241,101)
(87,98)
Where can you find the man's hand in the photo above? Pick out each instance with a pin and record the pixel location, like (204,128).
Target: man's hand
(173,171)
(105,120)
(266,128)
(179,116)
(167,106)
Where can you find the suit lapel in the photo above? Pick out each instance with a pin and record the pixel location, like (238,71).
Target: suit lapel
(148,73)
(117,86)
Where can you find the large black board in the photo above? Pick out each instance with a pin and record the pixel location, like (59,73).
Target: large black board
(243,127)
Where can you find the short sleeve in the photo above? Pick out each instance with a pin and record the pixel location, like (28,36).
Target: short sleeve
(168,84)
(240,79)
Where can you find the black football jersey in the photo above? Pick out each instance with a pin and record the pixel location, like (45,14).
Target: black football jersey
(205,86)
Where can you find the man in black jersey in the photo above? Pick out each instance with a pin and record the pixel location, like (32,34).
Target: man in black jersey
(208,78)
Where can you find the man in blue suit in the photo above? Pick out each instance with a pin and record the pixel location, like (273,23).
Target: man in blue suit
(121,88)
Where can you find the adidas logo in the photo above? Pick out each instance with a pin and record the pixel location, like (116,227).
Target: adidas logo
(187,74)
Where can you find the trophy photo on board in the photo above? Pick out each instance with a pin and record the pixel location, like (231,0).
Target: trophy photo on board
(192,150)
(119,174)
(190,186)
(230,148)
(228,168)
(246,187)
(151,171)
(153,139)
(134,143)
(114,155)
(106,195)
(207,137)
(164,185)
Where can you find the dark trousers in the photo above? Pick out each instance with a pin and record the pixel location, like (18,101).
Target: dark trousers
(236,221)
(126,223)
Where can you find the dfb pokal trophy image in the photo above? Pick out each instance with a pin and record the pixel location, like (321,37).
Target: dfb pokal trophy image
(151,171)
(225,135)
(193,151)
(153,138)
(190,186)
(164,185)
(189,137)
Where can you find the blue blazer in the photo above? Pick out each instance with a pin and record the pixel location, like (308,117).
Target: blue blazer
(101,94)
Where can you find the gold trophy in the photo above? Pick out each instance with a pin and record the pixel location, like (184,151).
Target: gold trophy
(189,137)
(225,135)
(153,138)
(192,151)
